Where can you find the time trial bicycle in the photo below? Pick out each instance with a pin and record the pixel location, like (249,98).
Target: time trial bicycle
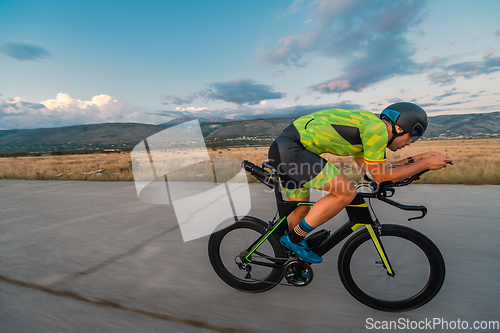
(384,266)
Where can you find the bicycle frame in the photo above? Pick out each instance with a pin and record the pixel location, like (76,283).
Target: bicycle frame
(357,211)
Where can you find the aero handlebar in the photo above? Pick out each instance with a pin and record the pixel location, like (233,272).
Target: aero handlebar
(386,190)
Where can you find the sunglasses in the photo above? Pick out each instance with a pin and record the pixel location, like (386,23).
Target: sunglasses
(416,132)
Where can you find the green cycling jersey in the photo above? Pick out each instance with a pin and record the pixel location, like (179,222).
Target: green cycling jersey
(344,132)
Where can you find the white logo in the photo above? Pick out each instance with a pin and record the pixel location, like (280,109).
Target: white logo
(202,193)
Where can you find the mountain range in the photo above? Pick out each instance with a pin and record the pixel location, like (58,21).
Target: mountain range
(216,131)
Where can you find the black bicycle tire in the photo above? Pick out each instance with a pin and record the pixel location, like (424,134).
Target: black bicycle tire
(255,224)
(431,251)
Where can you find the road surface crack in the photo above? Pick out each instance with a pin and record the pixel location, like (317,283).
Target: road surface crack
(110,304)
(92,269)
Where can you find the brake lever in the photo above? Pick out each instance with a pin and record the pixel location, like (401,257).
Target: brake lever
(424,212)
(390,189)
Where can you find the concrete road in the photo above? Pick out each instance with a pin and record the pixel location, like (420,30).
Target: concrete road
(91,257)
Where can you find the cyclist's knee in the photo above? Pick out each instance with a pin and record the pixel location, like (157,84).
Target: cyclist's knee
(348,194)
(351,191)
(342,187)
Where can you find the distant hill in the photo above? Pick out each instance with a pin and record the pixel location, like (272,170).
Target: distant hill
(181,120)
(120,135)
(467,125)
(254,129)
(81,137)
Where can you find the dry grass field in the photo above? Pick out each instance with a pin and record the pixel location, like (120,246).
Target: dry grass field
(476,162)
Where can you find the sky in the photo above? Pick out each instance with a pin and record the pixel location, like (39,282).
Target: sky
(82,62)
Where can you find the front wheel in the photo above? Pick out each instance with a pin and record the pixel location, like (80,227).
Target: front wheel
(417,263)
(228,247)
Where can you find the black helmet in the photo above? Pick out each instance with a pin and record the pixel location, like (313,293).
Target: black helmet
(410,117)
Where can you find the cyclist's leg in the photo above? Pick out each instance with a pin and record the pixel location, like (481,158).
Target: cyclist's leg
(342,192)
(294,163)
(300,168)
(301,211)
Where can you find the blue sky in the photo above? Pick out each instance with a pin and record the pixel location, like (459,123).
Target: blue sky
(67,63)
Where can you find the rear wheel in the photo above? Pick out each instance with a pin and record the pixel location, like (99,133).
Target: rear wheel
(228,247)
(417,263)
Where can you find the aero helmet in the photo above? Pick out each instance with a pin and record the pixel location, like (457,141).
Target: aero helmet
(410,117)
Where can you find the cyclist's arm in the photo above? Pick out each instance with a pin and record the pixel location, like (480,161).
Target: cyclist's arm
(382,172)
(417,157)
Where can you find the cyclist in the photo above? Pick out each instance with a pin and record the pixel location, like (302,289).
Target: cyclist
(361,134)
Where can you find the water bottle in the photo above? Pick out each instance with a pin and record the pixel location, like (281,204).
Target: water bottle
(260,174)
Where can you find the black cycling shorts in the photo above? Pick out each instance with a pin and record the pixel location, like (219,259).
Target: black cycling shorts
(300,169)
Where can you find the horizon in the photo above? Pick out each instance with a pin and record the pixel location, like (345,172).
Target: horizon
(227,121)
(151,63)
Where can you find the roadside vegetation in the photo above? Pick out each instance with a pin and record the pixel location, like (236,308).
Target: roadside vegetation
(477,161)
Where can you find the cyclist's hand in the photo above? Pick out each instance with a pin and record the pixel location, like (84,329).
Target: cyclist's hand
(438,161)
(426,155)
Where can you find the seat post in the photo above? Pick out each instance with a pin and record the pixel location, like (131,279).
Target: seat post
(276,180)
(277,187)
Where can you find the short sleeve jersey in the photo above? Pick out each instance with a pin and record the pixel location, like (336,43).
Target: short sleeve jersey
(344,132)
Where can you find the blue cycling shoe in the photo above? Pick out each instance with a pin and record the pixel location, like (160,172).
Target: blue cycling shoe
(301,249)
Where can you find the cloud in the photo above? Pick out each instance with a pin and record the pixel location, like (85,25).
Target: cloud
(23,52)
(457,103)
(488,52)
(426,105)
(478,94)
(497,32)
(394,100)
(368,39)
(192,109)
(240,91)
(278,72)
(185,98)
(300,110)
(66,111)
(468,70)
(289,53)
(476,37)
(294,7)
(431,61)
(442,78)
(448,93)
(259,111)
